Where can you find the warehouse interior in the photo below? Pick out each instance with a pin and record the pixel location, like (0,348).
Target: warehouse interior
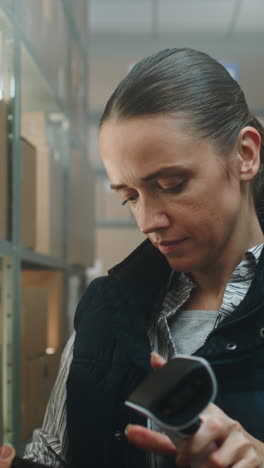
(60,224)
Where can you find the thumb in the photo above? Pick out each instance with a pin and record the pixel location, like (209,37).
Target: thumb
(7,454)
(156,360)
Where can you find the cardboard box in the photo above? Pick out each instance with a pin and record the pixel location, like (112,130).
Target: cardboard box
(81,211)
(74,233)
(89,220)
(34,127)
(34,394)
(39,369)
(52,282)
(109,204)
(38,377)
(115,244)
(4,171)
(42,227)
(36,196)
(56,208)
(53,362)
(34,321)
(35,388)
(43,200)
(28,194)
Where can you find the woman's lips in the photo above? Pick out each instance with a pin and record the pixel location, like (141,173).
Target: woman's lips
(167,247)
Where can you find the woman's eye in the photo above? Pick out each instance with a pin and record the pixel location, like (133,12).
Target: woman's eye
(174,189)
(131,199)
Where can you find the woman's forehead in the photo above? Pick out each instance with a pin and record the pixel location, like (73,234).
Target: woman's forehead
(146,134)
(142,147)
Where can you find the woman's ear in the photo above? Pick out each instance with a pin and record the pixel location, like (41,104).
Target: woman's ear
(249,142)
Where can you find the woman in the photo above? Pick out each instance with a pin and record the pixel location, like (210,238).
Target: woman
(182,149)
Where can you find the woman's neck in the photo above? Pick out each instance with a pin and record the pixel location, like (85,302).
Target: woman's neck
(212,280)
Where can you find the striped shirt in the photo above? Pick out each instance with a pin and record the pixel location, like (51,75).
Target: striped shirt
(50,441)
(179,290)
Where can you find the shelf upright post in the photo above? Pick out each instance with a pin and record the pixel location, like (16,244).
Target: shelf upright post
(15,237)
(7,354)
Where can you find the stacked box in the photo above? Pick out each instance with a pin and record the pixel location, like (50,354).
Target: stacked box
(34,339)
(28,194)
(81,211)
(42,341)
(49,186)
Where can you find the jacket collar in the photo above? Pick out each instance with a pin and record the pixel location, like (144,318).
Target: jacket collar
(136,288)
(144,273)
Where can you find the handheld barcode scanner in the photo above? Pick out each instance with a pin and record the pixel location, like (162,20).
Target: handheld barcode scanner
(174,395)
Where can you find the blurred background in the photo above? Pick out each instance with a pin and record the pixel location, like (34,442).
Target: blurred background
(60,225)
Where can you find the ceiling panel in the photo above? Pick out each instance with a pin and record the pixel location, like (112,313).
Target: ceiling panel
(195,15)
(250,17)
(119,2)
(120,17)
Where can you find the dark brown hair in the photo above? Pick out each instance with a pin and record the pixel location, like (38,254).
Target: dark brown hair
(192,84)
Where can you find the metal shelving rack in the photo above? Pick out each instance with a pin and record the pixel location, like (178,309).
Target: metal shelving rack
(14,256)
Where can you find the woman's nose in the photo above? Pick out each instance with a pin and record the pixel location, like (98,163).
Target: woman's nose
(150,220)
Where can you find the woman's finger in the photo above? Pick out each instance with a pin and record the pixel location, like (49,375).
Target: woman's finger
(156,360)
(150,440)
(7,454)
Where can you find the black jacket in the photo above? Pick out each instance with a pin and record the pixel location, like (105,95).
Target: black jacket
(112,352)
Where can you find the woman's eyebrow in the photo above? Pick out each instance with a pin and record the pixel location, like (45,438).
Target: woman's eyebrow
(164,172)
(118,186)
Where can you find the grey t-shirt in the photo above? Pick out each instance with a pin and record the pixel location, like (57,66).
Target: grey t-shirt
(190,328)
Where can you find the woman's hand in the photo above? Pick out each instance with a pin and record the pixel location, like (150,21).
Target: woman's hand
(220,441)
(7,454)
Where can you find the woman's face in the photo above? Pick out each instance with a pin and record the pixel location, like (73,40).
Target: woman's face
(185,197)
